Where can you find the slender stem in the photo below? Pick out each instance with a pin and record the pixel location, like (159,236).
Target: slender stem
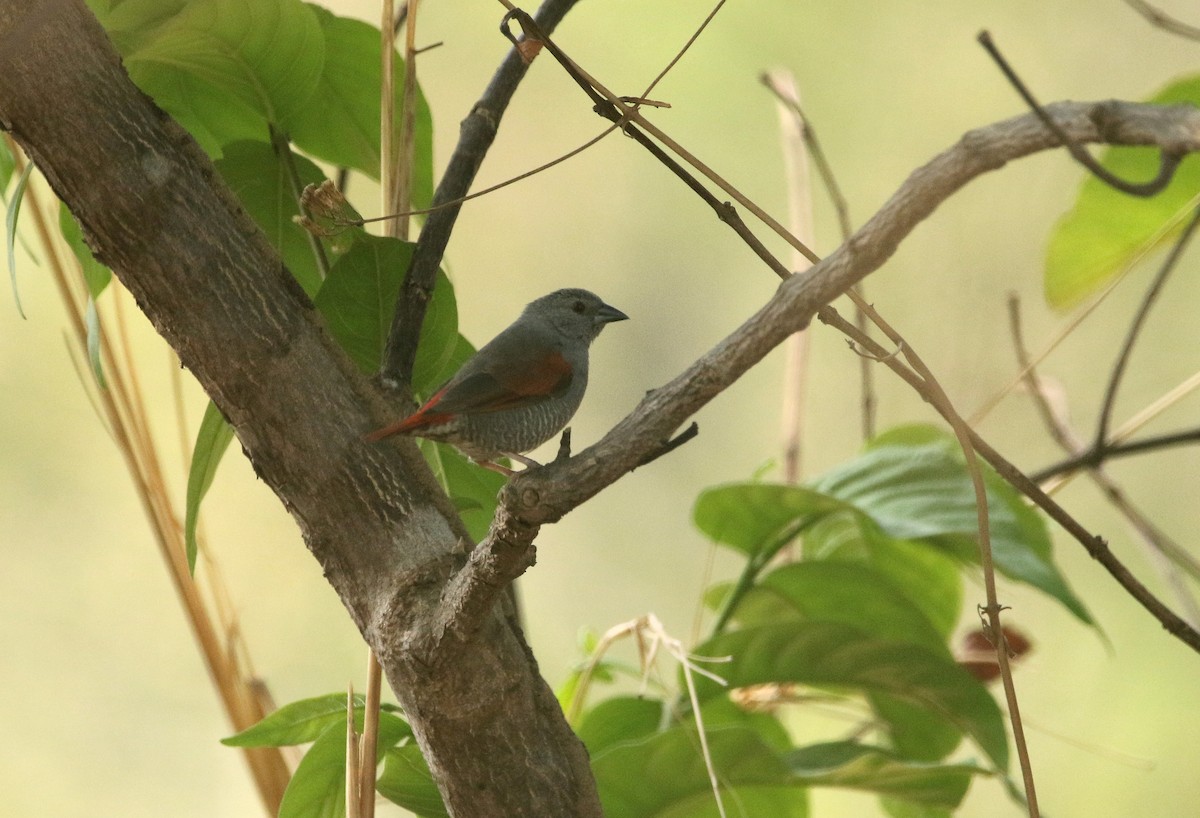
(1135,328)
(1094,457)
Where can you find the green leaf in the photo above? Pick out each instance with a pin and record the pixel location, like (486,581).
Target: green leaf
(7,166)
(303,721)
(406,781)
(1107,230)
(224,69)
(751,516)
(261,182)
(852,594)
(341,122)
(472,489)
(825,654)
(14,211)
(911,732)
(211,442)
(358,300)
(318,787)
(929,578)
(923,492)
(664,776)
(850,765)
(619,720)
(95,274)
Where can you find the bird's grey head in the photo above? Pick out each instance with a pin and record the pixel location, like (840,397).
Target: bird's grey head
(576,313)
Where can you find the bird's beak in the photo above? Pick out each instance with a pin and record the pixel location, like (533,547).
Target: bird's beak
(607,314)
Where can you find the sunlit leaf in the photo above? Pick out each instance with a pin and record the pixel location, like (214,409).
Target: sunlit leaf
(303,721)
(224,69)
(1106,230)
(340,124)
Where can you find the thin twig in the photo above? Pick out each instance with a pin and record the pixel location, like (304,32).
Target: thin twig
(1161,549)
(1135,328)
(695,35)
(1163,20)
(614,108)
(1168,159)
(1091,457)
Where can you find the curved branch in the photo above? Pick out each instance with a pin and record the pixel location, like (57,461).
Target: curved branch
(546,494)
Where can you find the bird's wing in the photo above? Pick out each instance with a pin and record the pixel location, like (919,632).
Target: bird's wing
(510,382)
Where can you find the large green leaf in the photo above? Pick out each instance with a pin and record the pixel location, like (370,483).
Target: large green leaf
(664,776)
(852,594)
(340,124)
(224,69)
(751,516)
(1106,230)
(825,654)
(910,731)
(261,182)
(358,300)
(923,492)
(211,442)
(851,765)
(406,781)
(318,787)
(303,721)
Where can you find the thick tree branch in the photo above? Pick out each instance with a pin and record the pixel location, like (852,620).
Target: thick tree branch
(154,209)
(546,494)
(478,131)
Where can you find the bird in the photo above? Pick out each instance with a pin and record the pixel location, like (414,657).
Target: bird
(521,388)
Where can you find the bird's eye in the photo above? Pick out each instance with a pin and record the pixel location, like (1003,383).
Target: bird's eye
(579,307)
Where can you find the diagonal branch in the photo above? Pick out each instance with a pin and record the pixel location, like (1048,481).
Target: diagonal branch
(478,131)
(547,494)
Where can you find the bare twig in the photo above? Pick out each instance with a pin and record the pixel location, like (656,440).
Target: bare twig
(1092,457)
(1135,328)
(1164,553)
(1168,161)
(1166,22)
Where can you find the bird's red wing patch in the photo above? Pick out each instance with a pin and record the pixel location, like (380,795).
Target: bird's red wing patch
(508,387)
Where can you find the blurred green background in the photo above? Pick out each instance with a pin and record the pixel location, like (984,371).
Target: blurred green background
(104,703)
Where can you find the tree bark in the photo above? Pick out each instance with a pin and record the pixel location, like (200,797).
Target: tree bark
(154,210)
